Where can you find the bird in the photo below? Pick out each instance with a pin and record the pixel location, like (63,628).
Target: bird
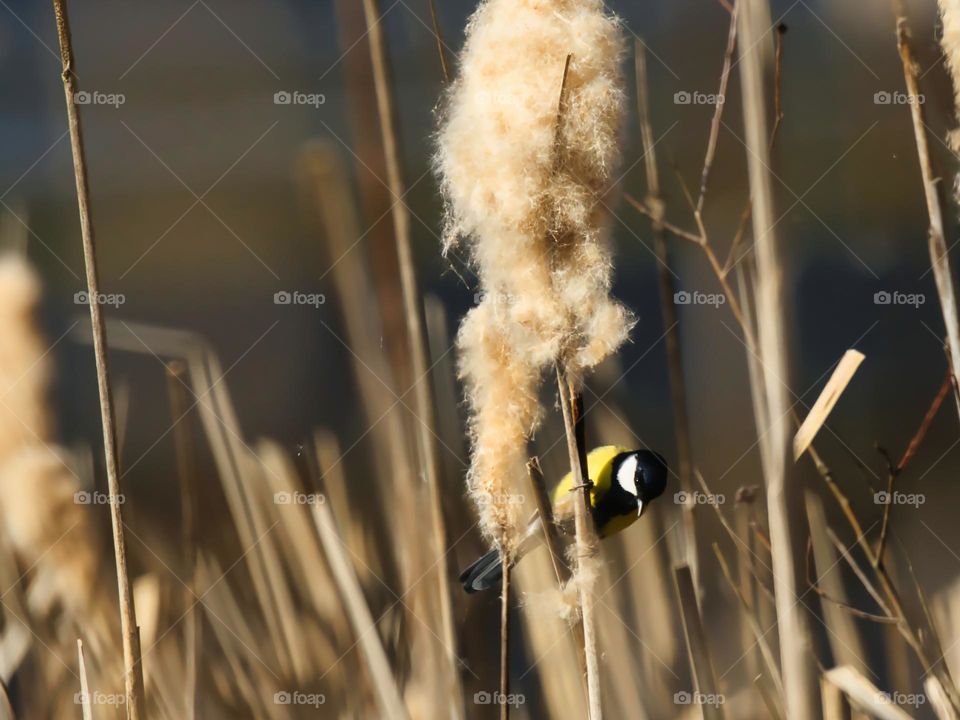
(624,483)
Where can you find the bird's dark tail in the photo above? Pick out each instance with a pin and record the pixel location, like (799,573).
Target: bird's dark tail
(484,573)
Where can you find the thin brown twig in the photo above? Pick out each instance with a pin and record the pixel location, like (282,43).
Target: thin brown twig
(921,433)
(438,34)
(712,141)
(133,670)
(893,471)
(857,612)
(668,308)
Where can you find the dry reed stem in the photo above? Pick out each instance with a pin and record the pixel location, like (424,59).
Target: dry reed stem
(938,699)
(937,246)
(550,533)
(221,425)
(133,672)
(704,677)
(84,684)
(424,405)
(845,641)
(586,537)
(505,636)
(183,441)
(834,702)
(359,615)
(668,310)
(800,681)
(759,635)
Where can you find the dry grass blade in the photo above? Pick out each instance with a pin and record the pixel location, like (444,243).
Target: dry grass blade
(84,683)
(864,694)
(358,612)
(827,400)
(177,387)
(133,671)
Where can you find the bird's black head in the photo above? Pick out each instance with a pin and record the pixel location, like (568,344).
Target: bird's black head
(643,474)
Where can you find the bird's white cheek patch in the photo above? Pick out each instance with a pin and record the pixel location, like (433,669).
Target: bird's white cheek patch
(627,475)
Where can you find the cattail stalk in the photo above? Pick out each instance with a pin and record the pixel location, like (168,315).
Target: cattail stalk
(586,536)
(133,676)
(937,245)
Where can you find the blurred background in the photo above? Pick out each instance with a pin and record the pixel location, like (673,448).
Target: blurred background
(210,196)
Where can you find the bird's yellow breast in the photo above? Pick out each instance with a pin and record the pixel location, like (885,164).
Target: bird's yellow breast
(600,467)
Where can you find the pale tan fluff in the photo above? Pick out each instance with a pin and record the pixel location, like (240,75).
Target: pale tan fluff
(525,183)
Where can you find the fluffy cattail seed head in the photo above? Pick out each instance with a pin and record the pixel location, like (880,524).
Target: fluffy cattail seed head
(527,148)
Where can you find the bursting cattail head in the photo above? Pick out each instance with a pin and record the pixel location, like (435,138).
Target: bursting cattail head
(527,148)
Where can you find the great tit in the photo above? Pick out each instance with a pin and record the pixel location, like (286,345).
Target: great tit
(624,483)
